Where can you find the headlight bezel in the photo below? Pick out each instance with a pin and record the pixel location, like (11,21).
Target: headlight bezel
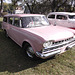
(47,44)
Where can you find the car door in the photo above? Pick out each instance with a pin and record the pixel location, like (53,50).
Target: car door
(71,21)
(15,29)
(62,20)
(71,24)
(4,24)
(10,23)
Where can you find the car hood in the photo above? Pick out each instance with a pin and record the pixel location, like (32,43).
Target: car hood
(51,32)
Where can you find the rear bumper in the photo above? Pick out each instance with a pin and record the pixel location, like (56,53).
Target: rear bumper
(50,53)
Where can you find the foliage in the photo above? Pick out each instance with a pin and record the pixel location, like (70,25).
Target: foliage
(1,8)
(5,7)
(42,6)
(4,13)
(45,6)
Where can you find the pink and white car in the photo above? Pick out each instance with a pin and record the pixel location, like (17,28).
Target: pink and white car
(36,36)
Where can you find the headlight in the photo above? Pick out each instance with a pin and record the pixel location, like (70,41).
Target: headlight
(74,36)
(48,44)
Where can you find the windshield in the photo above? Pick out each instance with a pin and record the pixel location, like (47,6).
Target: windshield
(72,16)
(34,21)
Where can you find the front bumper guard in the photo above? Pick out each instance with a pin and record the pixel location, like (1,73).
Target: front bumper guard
(47,55)
(55,51)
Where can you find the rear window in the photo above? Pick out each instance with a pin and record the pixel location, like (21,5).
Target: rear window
(71,16)
(51,16)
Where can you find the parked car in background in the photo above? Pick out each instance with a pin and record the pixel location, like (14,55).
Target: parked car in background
(36,36)
(62,19)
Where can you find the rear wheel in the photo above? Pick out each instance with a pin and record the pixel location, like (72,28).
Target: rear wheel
(6,34)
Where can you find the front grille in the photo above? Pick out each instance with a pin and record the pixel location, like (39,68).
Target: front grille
(66,40)
(59,44)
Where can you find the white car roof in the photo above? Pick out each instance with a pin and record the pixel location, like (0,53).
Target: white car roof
(65,13)
(22,15)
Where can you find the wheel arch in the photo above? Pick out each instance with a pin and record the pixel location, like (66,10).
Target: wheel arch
(25,43)
(28,43)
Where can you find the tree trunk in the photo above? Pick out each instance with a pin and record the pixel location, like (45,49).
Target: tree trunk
(53,6)
(71,5)
(57,9)
(1,9)
(29,8)
(74,7)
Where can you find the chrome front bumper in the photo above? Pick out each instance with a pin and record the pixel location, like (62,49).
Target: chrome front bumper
(50,53)
(47,55)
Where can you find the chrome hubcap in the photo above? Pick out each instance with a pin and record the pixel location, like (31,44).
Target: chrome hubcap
(30,52)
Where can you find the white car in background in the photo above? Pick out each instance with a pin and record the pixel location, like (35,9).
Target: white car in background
(62,19)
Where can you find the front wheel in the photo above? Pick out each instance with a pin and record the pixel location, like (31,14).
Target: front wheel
(30,52)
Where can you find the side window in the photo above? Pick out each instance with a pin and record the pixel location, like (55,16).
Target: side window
(51,16)
(25,21)
(5,19)
(62,17)
(10,20)
(16,22)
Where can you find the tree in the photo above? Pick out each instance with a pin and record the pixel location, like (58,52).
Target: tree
(14,4)
(73,4)
(55,5)
(43,6)
(1,9)
(31,5)
(46,5)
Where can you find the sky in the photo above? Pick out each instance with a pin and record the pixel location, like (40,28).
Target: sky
(7,1)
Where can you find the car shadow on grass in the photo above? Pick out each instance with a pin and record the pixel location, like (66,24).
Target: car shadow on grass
(12,58)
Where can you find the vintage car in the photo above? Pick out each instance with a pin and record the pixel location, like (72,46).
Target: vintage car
(62,19)
(37,36)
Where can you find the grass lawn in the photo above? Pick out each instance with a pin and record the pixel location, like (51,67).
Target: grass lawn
(14,62)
